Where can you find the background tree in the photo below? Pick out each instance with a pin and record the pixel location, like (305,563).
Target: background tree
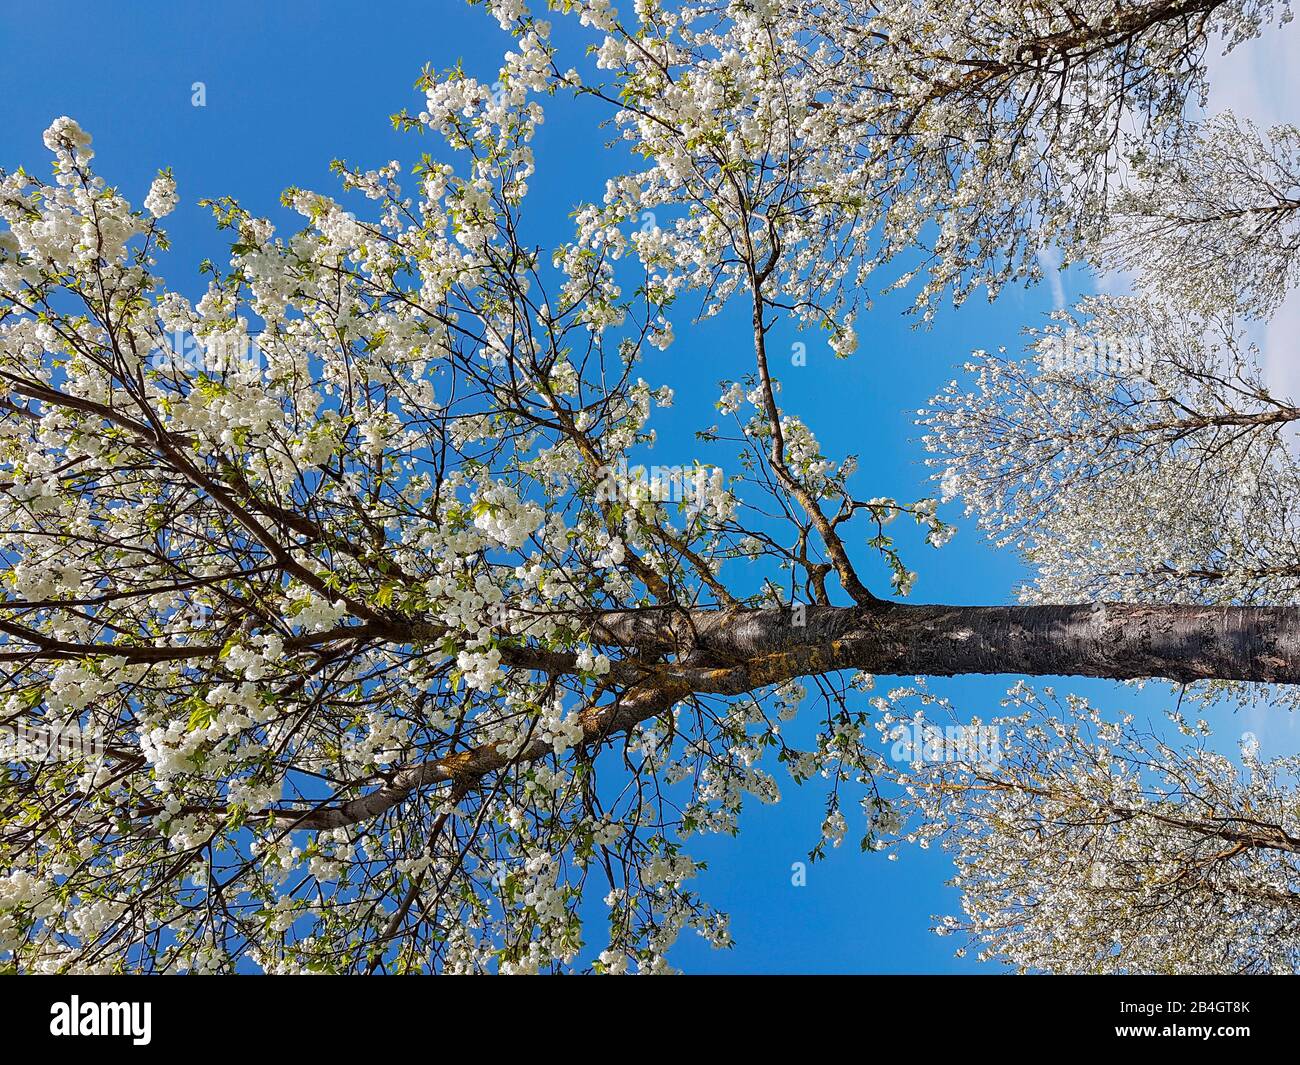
(392,650)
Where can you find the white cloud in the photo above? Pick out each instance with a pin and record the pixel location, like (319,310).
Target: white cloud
(1049,261)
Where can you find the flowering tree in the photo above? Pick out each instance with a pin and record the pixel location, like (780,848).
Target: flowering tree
(383,651)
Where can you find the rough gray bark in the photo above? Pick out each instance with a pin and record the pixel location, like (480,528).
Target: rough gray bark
(1119,641)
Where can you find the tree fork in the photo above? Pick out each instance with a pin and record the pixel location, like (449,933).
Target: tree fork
(734,652)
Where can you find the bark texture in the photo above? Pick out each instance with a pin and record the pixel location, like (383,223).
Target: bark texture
(1120,641)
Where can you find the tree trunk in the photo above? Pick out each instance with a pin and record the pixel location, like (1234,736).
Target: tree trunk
(1120,641)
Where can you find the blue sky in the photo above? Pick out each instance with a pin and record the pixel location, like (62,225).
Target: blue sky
(291,86)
